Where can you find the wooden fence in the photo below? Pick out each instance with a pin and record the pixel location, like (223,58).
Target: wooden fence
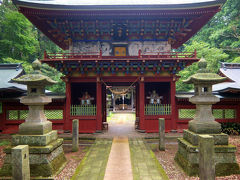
(83,110)
(157,109)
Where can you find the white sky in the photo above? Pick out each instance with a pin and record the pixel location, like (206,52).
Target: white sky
(114,2)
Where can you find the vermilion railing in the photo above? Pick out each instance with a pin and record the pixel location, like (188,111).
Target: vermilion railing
(98,55)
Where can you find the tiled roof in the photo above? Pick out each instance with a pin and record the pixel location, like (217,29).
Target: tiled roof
(8,72)
(163,3)
(231,71)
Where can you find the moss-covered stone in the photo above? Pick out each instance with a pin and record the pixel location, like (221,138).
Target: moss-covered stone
(187,157)
(40,149)
(50,169)
(188,168)
(34,140)
(226,169)
(191,137)
(6,170)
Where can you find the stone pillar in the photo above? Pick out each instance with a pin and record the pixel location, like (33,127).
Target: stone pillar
(20,162)
(75,135)
(161,134)
(206,158)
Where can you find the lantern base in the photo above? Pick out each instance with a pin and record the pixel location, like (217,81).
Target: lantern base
(204,127)
(187,155)
(35,128)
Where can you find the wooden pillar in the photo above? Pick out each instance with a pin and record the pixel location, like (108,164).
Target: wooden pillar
(141,104)
(137,101)
(104,103)
(173,104)
(67,123)
(238,113)
(132,99)
(3,117)
(113,102)
(99,104)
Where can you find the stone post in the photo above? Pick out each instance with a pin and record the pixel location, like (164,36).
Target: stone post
(75,135)
(206,158)
(161,134)
(20,162)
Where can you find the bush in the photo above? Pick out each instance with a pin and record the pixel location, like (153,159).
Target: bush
(231,128)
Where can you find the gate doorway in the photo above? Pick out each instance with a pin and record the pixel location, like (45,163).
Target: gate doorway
(120,107)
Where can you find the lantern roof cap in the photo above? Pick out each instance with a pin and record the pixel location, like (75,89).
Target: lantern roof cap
(36,77)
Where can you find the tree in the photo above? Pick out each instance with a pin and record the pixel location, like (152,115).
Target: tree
(212,55)
(17,38)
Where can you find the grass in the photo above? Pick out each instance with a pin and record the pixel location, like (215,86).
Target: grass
(4,142)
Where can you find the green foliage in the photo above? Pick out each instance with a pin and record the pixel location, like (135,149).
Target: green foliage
(55,75)
(231,128)
(212,55)
(17,38)
(4,142)
(26,65)
(21,42)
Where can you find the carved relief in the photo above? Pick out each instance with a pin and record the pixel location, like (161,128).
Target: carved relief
(147,47)
(92,48)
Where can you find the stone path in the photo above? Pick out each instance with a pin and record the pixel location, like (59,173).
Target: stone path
(119,162)
(93,166)
(138,163)
(144,163)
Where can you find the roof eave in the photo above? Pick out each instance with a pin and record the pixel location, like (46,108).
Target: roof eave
(122,7)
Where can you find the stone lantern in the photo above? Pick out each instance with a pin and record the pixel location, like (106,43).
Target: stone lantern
(204,123)
(46,154)
(36,122)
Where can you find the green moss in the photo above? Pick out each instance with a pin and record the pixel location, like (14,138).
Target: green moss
(189,169)
(74,149)
(153,147)
(101,150)
(160,168)
(4,142)
(47,170)
(6,170)
(226,169)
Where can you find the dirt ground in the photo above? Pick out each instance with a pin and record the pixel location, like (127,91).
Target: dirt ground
(174,172)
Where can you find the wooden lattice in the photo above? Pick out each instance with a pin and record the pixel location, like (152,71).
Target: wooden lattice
(186,113)
(157,109)
(83,110)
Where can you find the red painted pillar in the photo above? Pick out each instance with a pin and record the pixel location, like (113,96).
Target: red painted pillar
(137,101)
(238,113)
(173,104)
(141,104)
(104,104)
(99,104)
(67,122)
(3,117)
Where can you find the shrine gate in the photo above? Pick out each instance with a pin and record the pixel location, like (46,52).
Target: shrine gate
(124,44)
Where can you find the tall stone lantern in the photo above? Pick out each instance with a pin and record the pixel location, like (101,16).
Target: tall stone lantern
(46,154)
(36,122)
(204,123)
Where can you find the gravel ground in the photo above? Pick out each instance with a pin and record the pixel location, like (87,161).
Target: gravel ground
(73,160)
(174,172)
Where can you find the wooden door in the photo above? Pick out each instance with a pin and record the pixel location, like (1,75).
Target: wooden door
(120,51)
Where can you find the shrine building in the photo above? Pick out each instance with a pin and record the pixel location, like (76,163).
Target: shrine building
(122,47)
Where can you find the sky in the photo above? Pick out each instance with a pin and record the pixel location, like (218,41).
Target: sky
(115,2)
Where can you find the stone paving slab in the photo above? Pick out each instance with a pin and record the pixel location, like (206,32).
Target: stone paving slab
(93,165)
(144,163)
(119,162)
